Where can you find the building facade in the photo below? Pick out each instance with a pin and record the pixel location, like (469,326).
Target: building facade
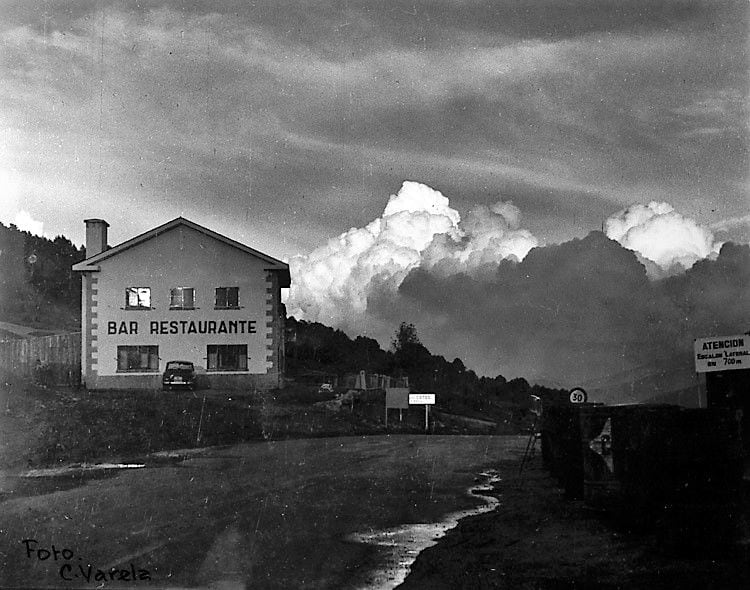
(180,292)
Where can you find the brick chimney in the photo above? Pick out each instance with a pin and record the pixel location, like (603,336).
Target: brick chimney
(96,236)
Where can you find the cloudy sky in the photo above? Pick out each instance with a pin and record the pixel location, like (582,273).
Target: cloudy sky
(292,127)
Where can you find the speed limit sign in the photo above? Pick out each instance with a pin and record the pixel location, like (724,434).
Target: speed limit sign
(578,396)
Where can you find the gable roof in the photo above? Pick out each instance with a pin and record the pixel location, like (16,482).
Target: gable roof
(92,263)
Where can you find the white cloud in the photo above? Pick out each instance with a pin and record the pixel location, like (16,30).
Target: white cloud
(487,235)
(25,222)
(418,228)
(10,211)
(661,235)
(337,277)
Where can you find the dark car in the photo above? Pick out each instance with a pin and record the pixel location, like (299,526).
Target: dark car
(179,374)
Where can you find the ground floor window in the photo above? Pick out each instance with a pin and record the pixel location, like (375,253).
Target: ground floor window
(137,358)
(227,357)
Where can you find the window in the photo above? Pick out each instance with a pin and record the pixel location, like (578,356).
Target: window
(227,297)
(227,357)
(182,298)
(138,298)
(137,358)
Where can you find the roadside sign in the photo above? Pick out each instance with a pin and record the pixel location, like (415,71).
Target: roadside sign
(578,396)
(722,353)
(397,397)
(418,399)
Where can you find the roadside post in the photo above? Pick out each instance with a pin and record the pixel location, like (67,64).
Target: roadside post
(536,410)
(426,399)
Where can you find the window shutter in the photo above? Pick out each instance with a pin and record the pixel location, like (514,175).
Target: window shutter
(122,358)
(153,358)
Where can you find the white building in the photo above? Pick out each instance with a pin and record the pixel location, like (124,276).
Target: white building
(180,292)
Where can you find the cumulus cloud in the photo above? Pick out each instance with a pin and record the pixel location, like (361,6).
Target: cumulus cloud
(418,227)
(662,236)
(487,235)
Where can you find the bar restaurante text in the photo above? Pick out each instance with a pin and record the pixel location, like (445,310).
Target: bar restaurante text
(166,327)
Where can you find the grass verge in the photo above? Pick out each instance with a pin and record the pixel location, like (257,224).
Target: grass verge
(46,426)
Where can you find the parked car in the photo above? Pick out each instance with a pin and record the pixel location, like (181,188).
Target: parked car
(179,374)
(325,388)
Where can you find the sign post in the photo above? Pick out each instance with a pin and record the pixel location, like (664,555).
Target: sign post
(426,399)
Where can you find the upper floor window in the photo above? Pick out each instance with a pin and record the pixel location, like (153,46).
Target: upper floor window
(227,297)
(138,298)
(182,298)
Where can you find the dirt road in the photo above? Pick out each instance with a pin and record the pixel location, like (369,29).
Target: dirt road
(264,515)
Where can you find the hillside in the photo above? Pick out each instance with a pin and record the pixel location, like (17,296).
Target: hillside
(37,286)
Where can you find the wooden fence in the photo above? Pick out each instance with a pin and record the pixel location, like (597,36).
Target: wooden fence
(49,360)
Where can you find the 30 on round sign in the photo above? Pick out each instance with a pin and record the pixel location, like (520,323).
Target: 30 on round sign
(578,396)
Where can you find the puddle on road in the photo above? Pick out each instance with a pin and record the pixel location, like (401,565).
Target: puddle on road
(78,469)
(38,482)
(404,543)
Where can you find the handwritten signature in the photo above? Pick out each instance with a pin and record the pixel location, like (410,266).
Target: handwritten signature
(70,570)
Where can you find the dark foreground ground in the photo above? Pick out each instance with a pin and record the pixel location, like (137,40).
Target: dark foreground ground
(276,513)
(536,539)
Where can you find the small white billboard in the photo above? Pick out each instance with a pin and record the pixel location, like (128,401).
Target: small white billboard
(722,353)
(421,399)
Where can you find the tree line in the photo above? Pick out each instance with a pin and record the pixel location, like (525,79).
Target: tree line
(38,287)
(314,350)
